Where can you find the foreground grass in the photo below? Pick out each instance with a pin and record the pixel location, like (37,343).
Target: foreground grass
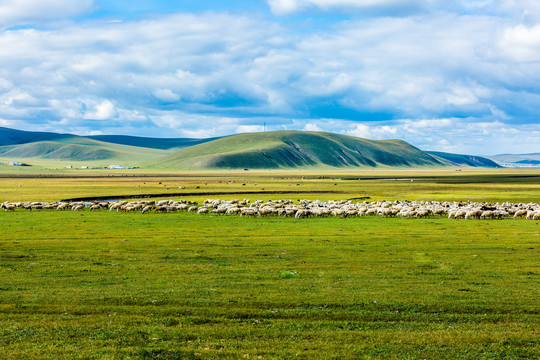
(181,286)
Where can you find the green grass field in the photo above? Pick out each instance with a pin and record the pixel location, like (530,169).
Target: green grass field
(107,285)
(493,185)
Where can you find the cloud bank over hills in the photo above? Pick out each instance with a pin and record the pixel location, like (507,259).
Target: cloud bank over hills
(459,76)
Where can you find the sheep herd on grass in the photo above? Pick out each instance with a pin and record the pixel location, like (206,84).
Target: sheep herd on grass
(302,208)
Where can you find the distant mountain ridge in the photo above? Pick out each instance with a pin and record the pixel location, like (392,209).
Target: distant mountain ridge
(466,160)
(266,150)
(17,137)
(517,159)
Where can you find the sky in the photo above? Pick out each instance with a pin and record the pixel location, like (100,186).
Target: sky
(447,75)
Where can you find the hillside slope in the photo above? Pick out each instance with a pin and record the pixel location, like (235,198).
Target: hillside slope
(153,143)
(15,137)
(79,149)
(466,160)
(56,150)
(290,149)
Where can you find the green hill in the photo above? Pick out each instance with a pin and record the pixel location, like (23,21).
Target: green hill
(56,150)
(465,160)
(154,143)
(79,150)
(15,137)
(290,149)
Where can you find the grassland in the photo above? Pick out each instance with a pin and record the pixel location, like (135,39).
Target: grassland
(100,285)
(106,285)
(493,185)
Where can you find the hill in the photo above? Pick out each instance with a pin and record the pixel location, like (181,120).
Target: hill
(15,137)
(290,149)
(57,150)
(465,160)
(517,159)
(28,146)
(153,143)
(79,150)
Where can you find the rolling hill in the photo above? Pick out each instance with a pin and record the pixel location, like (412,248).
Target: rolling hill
(25,146)
(79,150)
(293,149)
(15,137)
(153,143)
(466,160)
(56,150)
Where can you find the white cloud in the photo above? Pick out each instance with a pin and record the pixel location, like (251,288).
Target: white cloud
(312,127)
(526,10)
(521,43)
(5,84)
(283,7)
(102,111)
(373,131)
(166,95)
(17,12)
(249,128)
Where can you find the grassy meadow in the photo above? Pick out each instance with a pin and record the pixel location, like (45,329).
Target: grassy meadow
(474,185)
(107,285)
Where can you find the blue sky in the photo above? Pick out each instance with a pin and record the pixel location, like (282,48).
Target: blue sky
(449,75)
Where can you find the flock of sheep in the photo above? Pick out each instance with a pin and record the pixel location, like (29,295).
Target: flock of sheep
(303,208)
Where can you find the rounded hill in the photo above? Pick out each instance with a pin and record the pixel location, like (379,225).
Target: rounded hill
(295,149)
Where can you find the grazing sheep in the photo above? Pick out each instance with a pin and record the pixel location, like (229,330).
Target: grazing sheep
(62,206)
(8,207)
(473,214)
(248,212)
(203,210)
(233,210)
(301,213)
(488,214)
(335,212)
(146,209)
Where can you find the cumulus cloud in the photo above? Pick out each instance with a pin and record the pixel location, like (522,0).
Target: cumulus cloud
(521,43)
(102,111)
(310,126)
(21,12)
(375,132)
